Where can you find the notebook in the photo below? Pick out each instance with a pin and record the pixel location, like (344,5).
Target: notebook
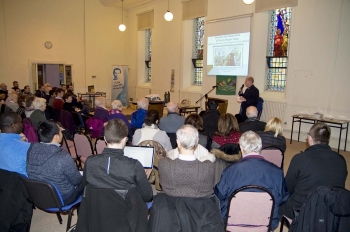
(143,154)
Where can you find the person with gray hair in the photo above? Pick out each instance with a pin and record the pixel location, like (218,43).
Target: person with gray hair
(173,121)
(116,112)
(252,123)
(252,169)
(138,117)
(38,114)
(101,112)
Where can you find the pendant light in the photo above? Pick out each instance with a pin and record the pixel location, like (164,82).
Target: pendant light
(248,1)
(168,15)
(122,27)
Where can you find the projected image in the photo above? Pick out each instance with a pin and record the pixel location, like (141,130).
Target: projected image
(228,55)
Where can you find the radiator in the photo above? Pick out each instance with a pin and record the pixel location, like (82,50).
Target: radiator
(273,109)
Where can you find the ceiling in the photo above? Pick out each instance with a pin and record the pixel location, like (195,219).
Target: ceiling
(127,3)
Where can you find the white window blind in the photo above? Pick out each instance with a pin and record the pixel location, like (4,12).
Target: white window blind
(194,9)
(145,20)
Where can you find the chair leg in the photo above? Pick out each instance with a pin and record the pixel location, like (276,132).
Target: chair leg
(59,217)
(70,214)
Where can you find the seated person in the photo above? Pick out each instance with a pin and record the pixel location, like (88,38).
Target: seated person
(253,169)
(3,107)
(68,105)
(196,121)
(38,114)
(47,161)
(228,131)
(188,187)
(116,112)
(138,117)
(13,144)
(58,102)
(173,121)
(252,123)
(272,135)
(211,118)
(29,108)
(112,170)
(150,131)
(101,112)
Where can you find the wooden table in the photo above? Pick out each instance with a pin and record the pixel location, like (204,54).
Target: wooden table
(310,119)
(188,109)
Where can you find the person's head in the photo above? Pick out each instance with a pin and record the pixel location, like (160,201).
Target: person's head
(275,125)
(27,89)
(47,90)
(152,117)
(67,97)
(3,86)
(17,90)
(2,98)
(21,101)
(100,101)
(39,103)
(250,143)
(172,107)
(187,137)
(116,132)
(42,88)
(52,93)
(64,87)
(15,84)
(29,101)
(249,81)
(70,88)
(252,112)
(47,85)
(13,97)
(117,105)
(319,133)
(212,105)
(50,132)
(11,122)
(142,103)
(227,123)
(59,92)
(194,120)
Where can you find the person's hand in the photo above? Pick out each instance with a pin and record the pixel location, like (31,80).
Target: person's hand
(23,137)
(243,99)
(148,172)
(76,109)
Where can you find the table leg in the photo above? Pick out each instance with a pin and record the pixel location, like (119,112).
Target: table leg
(299,129)
(346,135)
(291,133)
(341,129)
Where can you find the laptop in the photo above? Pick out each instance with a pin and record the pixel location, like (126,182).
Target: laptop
(143,154)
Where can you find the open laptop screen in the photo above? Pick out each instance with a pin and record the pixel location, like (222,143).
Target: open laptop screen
(141,153)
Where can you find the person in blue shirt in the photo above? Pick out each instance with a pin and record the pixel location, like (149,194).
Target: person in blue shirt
(138,117)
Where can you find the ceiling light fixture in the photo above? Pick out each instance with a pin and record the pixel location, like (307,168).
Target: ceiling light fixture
(248,1)
(168,15)
(122,27)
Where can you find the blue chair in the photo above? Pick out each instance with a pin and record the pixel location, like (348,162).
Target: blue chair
(46,196)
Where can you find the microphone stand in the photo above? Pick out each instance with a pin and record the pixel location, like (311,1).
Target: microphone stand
(206,95)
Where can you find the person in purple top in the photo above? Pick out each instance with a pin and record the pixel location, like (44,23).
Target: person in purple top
(116,112)
(101,111)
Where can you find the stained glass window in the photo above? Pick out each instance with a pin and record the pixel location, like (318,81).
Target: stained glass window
(198,50)
(148,54)
(278,49)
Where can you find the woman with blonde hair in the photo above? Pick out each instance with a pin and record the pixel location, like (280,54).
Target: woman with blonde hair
(116,112)
(228,131)
(272,135)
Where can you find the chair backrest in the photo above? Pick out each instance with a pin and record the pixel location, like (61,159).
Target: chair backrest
(100,144)
(274,155)
(83,146)
(29,131)
(95,127)
(260,107)
(250,207)
(172,137)
(66,119)
(43,194)
(159,151)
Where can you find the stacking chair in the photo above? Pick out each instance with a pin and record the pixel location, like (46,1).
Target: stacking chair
(83,146)
(46,196)
(250,208)
(66,119)
(285,221)
(100,144)
(69,147)
(274,155)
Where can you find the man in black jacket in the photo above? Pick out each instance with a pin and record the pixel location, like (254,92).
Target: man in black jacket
(317,166)
(250,97)
(211,118)
(252,123)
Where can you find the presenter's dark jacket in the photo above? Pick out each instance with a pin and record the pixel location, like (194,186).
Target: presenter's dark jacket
(251,95)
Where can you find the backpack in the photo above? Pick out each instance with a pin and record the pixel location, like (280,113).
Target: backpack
(29,131)
(95,127)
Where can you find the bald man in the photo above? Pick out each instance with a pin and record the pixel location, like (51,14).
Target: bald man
(173,121)
(252,123)
(250,97)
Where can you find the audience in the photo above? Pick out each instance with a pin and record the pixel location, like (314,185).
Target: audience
(13,144)
(196,121)
(21,106)
(38,114)
(68,105)
(15,85)
(253,169)
(211,118)
(47,94)
(70,90)
(112,170)
(317,166)
(58,102)
(3,107)
(29,108)
(173,121)
(272,135)
(40,92)
(52,93)
(116,112)
(11,102)
(26,91)
(138,117)
(150,131)
(64,88)
(101,112)
(3,89)
(228,131)
(47,161)
(252,123)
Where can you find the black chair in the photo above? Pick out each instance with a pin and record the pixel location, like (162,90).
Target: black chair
(260,107)
(172,137)
(46,196)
